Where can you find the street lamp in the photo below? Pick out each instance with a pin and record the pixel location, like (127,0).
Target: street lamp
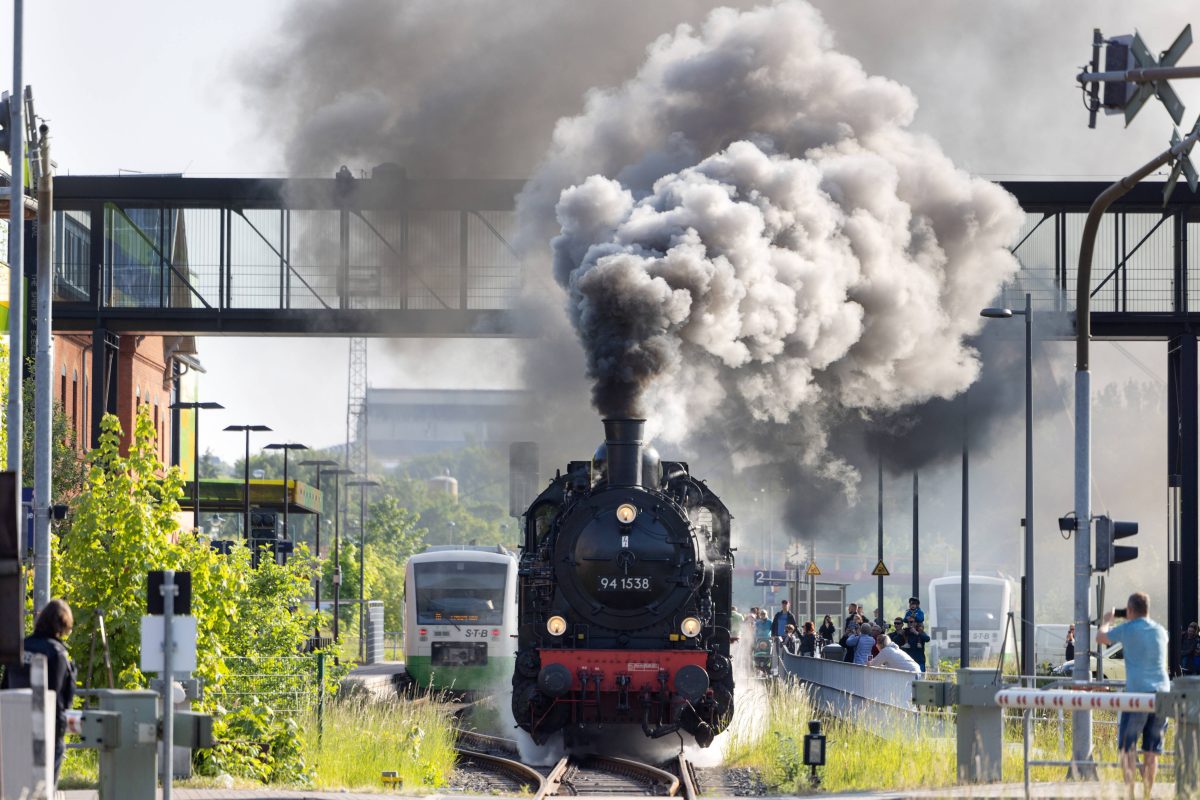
(195,406)
(287,532)
(246,507)
(362,485)
(1027,618)
(319,463)
(337,473)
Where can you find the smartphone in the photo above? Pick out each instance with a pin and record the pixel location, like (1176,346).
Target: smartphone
(1119,613)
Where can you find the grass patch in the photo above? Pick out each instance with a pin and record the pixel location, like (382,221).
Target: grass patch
(80,769)
(361,740)
(913,755)
(854,757)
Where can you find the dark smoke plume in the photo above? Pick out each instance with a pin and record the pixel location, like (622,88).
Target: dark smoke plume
(766,239)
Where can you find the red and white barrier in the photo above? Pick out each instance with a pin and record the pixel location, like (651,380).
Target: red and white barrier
(1076,700)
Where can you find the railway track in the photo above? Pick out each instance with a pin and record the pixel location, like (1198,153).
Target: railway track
(574,775)
(483,743)
(504,775)
(607,776)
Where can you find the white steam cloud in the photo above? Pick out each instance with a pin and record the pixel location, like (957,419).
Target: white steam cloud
(748,229)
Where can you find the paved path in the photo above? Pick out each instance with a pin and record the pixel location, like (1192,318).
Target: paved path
(1068,791)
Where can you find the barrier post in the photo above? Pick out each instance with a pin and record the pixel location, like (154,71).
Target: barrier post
(980,727)
(1185,699)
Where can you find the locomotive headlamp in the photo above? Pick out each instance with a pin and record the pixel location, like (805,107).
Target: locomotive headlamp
(626,513)
(690,627)
(556,625)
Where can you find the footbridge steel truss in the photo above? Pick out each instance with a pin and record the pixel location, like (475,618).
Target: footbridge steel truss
(384,256)
(393,256)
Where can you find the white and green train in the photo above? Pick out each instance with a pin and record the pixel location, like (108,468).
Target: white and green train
(460,617)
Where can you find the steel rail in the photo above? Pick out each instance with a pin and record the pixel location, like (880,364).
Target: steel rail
(485,741)
(521,774)
(553,781)
(687,779)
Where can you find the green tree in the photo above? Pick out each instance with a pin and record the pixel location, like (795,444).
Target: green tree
(67,467)
(120,527)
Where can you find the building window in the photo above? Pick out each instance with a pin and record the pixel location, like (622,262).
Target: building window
(75,400)
(62,388)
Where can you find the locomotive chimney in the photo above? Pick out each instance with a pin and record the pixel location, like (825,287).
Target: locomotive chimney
(623,443)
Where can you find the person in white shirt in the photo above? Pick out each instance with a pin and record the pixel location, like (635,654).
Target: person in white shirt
(891,656)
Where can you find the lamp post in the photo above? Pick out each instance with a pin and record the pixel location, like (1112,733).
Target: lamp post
(362,485)
(337,473)
(285,447)
(196,406)
(1027,618)
(246,489)
(319,463)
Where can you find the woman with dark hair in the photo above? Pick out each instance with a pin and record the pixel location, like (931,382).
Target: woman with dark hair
(53,626)
(828,629)
(808,640)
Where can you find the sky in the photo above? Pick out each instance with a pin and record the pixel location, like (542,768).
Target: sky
(163,87)
(160,87)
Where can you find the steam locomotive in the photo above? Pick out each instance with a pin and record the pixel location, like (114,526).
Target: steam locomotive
(624,593)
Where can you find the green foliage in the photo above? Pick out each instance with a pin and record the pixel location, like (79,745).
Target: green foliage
(363,739)
(256,742)
(120,527)
(67,468)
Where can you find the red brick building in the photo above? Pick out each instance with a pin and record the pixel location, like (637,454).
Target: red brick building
(146,375)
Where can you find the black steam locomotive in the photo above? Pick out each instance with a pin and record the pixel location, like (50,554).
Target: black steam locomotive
(624,598)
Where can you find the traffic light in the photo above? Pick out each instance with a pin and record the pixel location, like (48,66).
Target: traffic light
(6,123)
(12,581)
(266,533)
(1108,553)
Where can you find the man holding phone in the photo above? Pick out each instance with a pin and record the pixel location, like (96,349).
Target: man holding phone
(1145,649)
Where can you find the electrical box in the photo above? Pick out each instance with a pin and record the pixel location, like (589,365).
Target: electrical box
(100,729)
(937,694)
(193,730)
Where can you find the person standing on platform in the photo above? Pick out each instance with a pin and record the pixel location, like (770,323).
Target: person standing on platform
(1144,643)
(782,619)
(53,626)
(828,629)
(1189,652)
(1069,655)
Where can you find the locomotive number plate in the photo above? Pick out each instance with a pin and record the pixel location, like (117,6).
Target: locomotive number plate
(624,583)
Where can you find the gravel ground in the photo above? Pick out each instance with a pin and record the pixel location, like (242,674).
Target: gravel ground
(730,781)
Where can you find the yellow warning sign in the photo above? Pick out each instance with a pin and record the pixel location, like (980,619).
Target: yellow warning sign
(813,569)
(880,570)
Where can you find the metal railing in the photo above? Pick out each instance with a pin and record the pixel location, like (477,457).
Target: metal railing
(888,687)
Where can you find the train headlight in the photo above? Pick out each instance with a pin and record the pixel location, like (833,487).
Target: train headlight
(626,513)
(556,625)
(690,627)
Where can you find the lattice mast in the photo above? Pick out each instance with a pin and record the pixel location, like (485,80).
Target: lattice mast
(356,408)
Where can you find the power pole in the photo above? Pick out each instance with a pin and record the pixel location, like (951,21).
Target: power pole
(44,371)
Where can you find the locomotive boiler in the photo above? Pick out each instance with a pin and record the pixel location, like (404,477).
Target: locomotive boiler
(624,592)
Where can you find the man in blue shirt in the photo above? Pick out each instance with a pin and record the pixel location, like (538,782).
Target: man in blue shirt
(1144,643)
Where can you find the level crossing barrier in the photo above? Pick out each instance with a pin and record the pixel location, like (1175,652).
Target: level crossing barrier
(980,699)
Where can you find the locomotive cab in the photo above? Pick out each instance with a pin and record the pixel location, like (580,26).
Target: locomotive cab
(624,598)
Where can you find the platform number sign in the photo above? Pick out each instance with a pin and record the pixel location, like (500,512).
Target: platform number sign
(770,577)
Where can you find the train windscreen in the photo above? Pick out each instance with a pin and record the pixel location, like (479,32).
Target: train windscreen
(460,591)
(987,606)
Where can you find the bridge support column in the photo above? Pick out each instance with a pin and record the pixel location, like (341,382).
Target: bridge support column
(105,351)
(1184,468)
(980,727)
